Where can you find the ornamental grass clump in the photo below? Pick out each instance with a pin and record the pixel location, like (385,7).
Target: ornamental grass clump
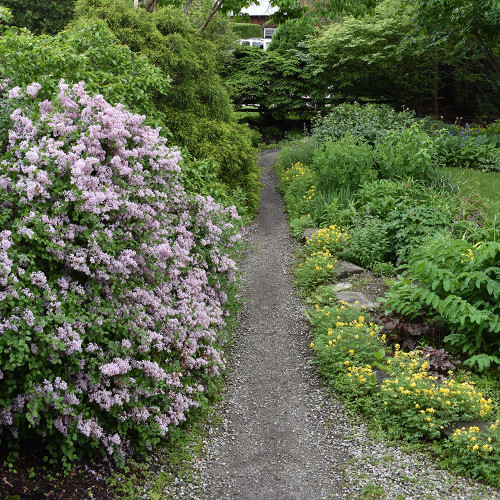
(474,452)
(112,280)
(423,403)
(332,239)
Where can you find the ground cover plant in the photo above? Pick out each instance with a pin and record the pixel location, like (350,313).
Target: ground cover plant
(113,279)
(319,257)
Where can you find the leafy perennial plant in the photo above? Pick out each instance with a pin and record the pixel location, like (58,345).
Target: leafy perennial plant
(112,279)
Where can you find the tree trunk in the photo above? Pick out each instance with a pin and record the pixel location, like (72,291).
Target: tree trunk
(187,6)
(216,6)
(150,5)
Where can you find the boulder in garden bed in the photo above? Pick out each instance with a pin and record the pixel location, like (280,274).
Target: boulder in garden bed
(308,233)
(355,299)
(342,285)
(345,269)
(450,429)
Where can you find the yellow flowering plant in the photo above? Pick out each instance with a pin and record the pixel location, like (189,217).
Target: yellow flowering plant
(332,239)
(472,451)
(317,269)
(297,184)
(347,345)
(424,403)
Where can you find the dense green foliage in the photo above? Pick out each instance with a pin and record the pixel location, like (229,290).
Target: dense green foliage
(292,35)
(370,58)
(276,83)
(247,30)
(449,286)
(90,52)
(458,283)
(279,81)
(196,107)
(419,54)
(41,16)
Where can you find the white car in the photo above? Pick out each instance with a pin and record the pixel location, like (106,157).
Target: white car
(261,43)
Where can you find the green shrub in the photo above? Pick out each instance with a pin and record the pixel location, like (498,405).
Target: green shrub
(412,211)
(384,268)
(368,122)
(292,35)
(406,153)
(41,16)
(380,197)
(89,52)
(323,204)
(464,148)
(301,151)
(343,163)
(459,283)
(337,213)
(408,225)
(299,224)
(368,243)
(247,30)
(196,107)
(297,184)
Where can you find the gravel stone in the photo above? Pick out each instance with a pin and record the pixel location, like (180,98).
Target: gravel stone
(280,435)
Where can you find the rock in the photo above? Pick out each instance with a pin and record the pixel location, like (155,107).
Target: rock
(306,235)
(380,375)
(355,299)
(450,429)
(342,285)
(345,269)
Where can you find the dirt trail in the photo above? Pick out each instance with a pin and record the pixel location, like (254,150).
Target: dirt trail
(275,442)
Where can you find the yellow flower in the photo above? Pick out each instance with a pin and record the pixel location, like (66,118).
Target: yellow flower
(351,351)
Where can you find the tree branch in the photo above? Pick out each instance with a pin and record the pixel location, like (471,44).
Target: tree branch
(187,6)
(216,6)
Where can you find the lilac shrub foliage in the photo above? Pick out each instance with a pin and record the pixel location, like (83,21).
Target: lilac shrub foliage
(112,279)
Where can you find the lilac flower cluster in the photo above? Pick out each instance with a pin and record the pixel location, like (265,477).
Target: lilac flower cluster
(112,280)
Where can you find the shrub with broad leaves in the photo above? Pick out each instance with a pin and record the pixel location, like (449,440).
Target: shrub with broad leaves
(112,279)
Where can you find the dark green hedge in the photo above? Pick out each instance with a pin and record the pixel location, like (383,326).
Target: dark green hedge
(248,30)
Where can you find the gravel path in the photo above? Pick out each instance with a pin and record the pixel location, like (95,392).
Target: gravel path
(281,437)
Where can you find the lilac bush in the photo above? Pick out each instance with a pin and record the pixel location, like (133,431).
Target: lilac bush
(112,280)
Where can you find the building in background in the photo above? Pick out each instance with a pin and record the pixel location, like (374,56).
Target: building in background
(259,14)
